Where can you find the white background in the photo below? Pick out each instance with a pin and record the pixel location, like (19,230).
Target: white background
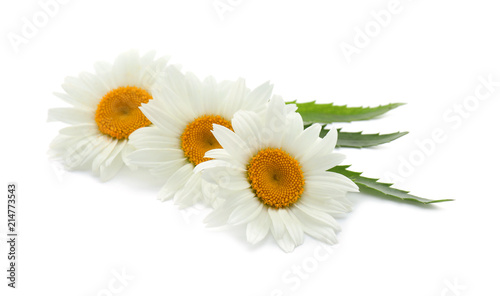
(77,233)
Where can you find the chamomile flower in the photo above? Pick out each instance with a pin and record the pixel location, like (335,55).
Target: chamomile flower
(104,112)
(183,113)
(272,176)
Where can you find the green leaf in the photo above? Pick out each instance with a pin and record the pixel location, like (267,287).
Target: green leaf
(385,189)
(327,113)
(360,140)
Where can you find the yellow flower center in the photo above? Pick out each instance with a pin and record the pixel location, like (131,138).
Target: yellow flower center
(118,113)
(197,137)
(276,177)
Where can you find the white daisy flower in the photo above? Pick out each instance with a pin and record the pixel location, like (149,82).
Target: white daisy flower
(183,113)
(272,176)
(104,112)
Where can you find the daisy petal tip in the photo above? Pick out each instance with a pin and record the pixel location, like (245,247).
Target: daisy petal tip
(104,177)
(287,247)
(352,187)
(162,198)
(254,237)
(209,223)
(267,84)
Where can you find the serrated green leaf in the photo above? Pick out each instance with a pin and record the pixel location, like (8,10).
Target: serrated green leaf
(328,113)
(382,188)
(360,140)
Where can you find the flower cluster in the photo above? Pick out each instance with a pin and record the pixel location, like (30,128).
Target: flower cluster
(243,152)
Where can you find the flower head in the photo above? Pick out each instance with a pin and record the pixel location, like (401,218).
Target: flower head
(104,113)
(272,176)
(183,114)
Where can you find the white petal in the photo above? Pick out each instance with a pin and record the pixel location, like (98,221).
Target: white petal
(177,104)
(174,81)
(328,205)
(259,227)
(234,99)
(321,147)
(216,218)
(330,140)
(103,71)
(290,108)
(153,71)
(232,143)
(190,194)
(275,123)
(63,142)
(295,128)
(278,227)
(247,125)
(109,171)
(83,152)
(246,212)
(81,130)
(224,176)
(150,156)
(95,85)
(258,97)
(153,137)
(165,142)
(79,93)
(165,193)
(220,215)
(210,102)
(162,120)
(293,226)
(113,163)
(75,102)
(286,242)
(179,178)
(216,164)
(126,69)
(117,152)
(148,58)
(71,115)
(334,181)
(313,214)
(321,162)
(307,139)
(219,154)
(195,96)
(109,145)
(168,168)
(315,228)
